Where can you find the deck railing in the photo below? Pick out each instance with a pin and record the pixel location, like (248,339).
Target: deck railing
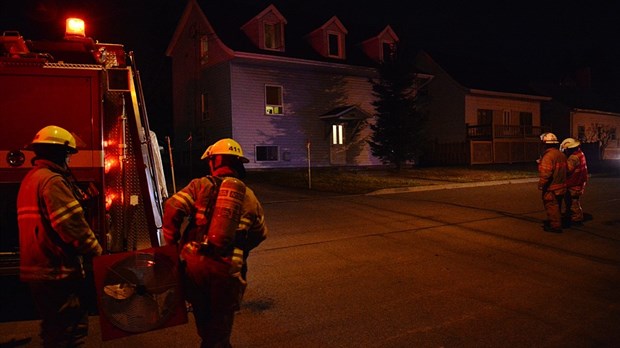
(503,131)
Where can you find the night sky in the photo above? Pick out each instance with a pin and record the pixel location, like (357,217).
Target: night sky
(545,38)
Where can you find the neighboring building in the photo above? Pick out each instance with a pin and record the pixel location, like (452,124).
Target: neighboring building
(479,112)
(577,111)
(288,86)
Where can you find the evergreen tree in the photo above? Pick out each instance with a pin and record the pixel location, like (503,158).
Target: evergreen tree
(398,130)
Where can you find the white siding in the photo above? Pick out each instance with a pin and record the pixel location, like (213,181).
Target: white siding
(307,94)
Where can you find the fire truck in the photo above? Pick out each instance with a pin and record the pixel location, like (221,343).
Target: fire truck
(93,90)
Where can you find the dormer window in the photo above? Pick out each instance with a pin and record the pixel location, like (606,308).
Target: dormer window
(382,47)
(266,30)
(329,39)
(273,36)
(334,48)
(389,51)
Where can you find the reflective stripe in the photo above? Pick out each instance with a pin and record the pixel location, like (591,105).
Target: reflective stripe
(184,198)
(65,213)
(28,212)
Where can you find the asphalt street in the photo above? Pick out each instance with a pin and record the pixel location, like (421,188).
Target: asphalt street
(452,266)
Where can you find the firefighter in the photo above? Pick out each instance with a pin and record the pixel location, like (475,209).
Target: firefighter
(226,221)
(576,178)
(552,181)
(53,239)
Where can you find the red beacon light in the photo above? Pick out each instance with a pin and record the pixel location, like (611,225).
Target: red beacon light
(75,29)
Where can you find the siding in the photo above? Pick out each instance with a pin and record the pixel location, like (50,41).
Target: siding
(473,103)
(307,94)
(587,119)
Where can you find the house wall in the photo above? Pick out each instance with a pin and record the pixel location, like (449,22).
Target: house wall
(183,90)
(588,120)
(216,83)
(475,102)
(308,92)
(446,105)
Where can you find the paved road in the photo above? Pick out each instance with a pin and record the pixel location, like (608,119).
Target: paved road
(464,267)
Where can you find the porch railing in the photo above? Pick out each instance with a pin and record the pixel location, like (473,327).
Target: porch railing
(503,131)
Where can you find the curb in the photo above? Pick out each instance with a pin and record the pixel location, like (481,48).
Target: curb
(450,186)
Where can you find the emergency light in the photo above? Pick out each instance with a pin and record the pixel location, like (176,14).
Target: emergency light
(75,28)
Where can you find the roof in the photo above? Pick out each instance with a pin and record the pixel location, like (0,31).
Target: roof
(482,74)
(302,17)
(345,113)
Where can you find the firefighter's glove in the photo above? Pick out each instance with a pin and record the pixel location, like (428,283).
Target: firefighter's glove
(236,261)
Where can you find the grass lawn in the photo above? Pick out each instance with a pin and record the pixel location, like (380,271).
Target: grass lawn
(362,180)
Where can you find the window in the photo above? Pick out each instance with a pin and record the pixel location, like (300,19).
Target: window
(266,153)
(204,49)
(273,36)
(273,100)
(333,45)
(525,120)
(485,116)
(581,133)
(389,51)
(337,134)
(506,117)
(204,106)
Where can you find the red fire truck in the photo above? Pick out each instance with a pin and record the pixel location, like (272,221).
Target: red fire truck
(92,89)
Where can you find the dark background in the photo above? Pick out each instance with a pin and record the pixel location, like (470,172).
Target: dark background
(541,39)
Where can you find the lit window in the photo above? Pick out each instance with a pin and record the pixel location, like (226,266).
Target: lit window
(273,36)
(273,100)
(337,134)
(266,153)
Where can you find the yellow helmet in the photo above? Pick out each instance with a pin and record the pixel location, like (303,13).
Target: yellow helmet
(55,135)
(226,146)
(569,143)
(549,138)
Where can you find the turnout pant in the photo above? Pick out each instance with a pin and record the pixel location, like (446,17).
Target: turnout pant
(573,205)
(215,296)
(64,316)
(553,204)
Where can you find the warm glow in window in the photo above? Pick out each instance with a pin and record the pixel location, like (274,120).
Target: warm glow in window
(337,134)
(273,100)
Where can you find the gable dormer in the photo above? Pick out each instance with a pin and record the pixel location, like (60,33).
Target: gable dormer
(381,47)
(266,30)
(329,39)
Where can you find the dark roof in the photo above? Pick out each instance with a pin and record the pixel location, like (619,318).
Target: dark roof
(483,74)
(303,17)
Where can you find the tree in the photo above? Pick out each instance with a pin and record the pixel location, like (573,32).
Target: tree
(399,127)
(601,134)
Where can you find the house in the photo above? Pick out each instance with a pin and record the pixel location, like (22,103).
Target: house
(578,111)
(479,112)
(292,87)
